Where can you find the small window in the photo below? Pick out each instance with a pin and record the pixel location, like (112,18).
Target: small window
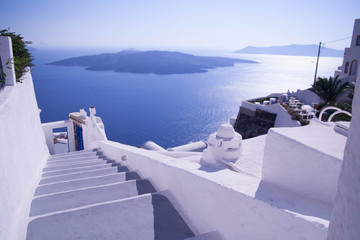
(353,68)
(358,40)
(347,64)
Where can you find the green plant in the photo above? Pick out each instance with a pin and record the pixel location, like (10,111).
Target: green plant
(328,89)
(304,122)
(2,73)
(290,110)
(344,103)
(260,100)
(318,108)
(295,116)
(22,57)
(284,106)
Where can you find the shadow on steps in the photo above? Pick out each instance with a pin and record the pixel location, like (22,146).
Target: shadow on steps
(148,216)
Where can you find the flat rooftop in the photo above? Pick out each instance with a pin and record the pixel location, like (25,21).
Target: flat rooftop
(318,135)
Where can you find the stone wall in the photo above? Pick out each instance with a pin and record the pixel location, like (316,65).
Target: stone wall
(251,124)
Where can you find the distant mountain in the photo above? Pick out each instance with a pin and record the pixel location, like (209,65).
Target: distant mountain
(31,49)
(157,62)
(293,50)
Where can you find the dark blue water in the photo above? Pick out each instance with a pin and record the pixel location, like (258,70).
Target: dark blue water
(170,110)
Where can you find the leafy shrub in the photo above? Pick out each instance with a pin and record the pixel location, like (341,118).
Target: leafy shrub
(341,117)
(295,116)
(290,110)
(304,122)
(2,74)
(22,57)
(328,89)
(260,100)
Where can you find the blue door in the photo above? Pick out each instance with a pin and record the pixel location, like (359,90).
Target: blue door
(79,138)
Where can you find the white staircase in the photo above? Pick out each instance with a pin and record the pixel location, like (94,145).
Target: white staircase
(84,195)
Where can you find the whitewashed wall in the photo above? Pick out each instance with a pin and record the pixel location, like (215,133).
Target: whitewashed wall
(307,97)
(345,221)
(207,204)
(304,160)
(23,153)
(351,54)
(283,118)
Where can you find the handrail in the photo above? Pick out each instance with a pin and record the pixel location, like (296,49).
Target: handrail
(327,108)
(337,112)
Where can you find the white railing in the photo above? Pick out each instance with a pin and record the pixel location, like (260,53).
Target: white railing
(248,105)
(93,130)
(338,111)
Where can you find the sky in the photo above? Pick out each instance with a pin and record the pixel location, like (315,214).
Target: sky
(166,24)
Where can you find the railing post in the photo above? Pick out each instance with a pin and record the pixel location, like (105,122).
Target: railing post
(6,55)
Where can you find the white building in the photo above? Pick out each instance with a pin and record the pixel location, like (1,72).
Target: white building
(349,69)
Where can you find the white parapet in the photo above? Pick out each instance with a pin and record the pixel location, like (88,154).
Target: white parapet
(190,147)
(93,128)
(149,145)
(225,201)
(304,160)
(233,120)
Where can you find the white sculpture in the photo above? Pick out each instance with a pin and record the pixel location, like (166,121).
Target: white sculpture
(224,147)
(83,114)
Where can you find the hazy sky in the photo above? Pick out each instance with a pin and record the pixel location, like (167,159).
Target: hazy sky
(161,24)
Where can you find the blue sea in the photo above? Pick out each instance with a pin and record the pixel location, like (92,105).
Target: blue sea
(170,110)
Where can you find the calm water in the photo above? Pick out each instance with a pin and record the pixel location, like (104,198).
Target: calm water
(169,109)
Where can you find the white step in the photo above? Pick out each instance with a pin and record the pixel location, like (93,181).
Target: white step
(88,196)
(142,217)
(75,165)
(72,154)
(87,182)
(74,170)
(80,175)
(70,160)
(89,160)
